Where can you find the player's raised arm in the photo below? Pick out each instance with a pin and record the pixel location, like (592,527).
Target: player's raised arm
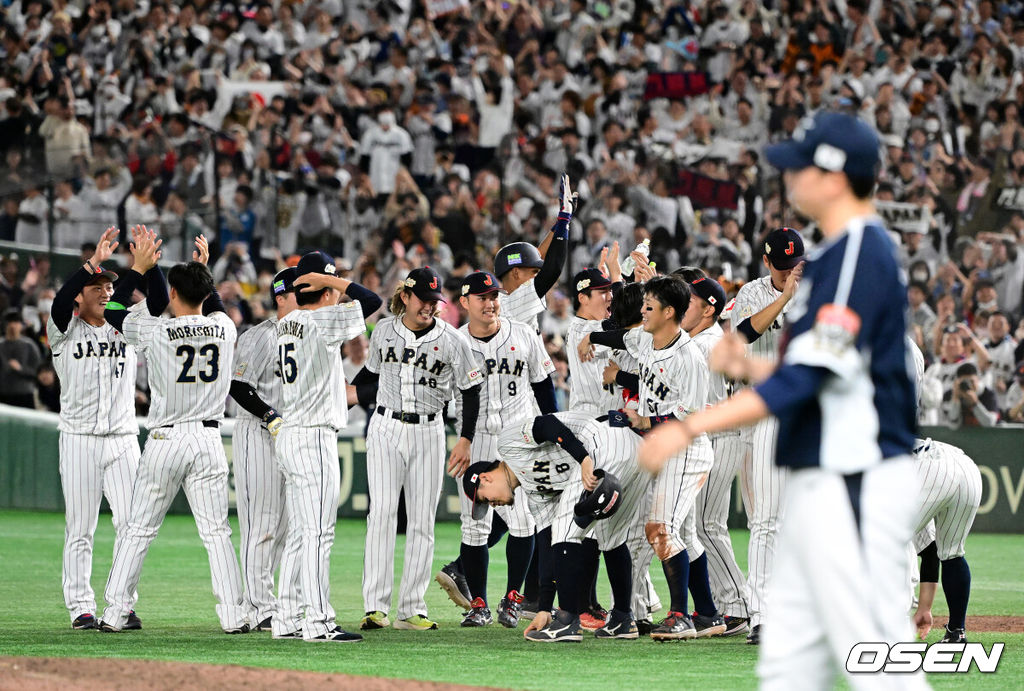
(64,301)
(555,247)
(146,252)
(367,299)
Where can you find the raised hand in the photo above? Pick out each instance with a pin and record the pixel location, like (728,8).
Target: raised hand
(145,248)
(567,199)
(201,253)
(105,247)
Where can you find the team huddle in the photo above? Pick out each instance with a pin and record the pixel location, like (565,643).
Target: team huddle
(647,353)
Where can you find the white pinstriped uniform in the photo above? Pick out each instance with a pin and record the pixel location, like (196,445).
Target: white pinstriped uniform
(587,390)
(673,382)
(552,482)
(949,497)
(259,481)
(189,362)
(763,482)
(728,585)
(523,304)
(417,375)
(99,442)
(512,360)
(314,408)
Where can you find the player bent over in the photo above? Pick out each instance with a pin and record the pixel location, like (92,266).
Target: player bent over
(189,359)
(314,408)
(526,274)
(416,363)
(949,500)
(99,436)
(673,385)
(552,459)
(516,381)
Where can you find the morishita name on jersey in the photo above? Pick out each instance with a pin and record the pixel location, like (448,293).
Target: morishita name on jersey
(212,331)
(389,355)
(112,349)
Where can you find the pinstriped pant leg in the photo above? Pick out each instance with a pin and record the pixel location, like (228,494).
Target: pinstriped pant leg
(728,585)
(121,466)
(767,484)
(82,483)
(386,462)
(291,601)
(206,487)
(423,479)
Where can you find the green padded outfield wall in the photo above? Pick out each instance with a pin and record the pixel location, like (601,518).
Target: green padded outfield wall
(29,477)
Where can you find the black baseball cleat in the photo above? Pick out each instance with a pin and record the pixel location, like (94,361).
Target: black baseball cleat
(675,627)
(734,626)
(244,628)
(644,626)
(478,615)
(707,626)
(618,625)
(264,625)
(84,621)
(563,628)
(954,636)
(754,637)
(104,627)
(509,609)
(338,635)
(453,581)
(133,623)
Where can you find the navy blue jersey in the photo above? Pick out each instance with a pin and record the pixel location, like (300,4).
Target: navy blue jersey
(843,392)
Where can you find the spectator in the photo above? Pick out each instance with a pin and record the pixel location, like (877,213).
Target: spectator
(70,228)
(1015,396)
(48,388)
(968,403)
(67,140)
(383,149)
(32,212)
(19,360)
(1000,347)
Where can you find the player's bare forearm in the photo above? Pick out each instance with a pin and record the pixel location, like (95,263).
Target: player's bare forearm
(668,439)
(766,317)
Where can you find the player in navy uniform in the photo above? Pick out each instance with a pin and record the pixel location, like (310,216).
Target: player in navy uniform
(845,402)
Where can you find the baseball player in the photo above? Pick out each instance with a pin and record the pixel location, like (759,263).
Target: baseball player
(99,437)
(592,298)
(950,493)
(416,362)
(712,509)
(526,276)
(314,408)
(759,315)
(259,481)
(845,403)
(187,356)
(552,459)
(673,384)
(516,372)
(526,273)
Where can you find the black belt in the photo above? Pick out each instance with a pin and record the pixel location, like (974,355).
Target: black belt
(206,423)
(409,418)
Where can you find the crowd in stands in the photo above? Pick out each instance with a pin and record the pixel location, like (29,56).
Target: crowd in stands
(395,134)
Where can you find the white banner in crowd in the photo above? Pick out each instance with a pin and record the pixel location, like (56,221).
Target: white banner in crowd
(436,8)
(906,218)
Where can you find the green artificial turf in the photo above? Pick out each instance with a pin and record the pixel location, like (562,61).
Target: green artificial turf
(176,606)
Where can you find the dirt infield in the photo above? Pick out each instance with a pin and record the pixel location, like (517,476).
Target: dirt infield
(987,624)
(58,674)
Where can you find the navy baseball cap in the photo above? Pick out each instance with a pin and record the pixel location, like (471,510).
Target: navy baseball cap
(425,284)
(784,248)
(480,283)
(832,141)
(316,263)
(471,483)
(711,291)
(284,281)
(590,279)
(101,273)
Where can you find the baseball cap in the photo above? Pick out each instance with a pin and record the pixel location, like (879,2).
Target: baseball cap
(711,291)
(102,273)
(471,483)
(425,284)
(784,248)
(832,141)
(480,283)
(588,279)
(284,281)
(315,263)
